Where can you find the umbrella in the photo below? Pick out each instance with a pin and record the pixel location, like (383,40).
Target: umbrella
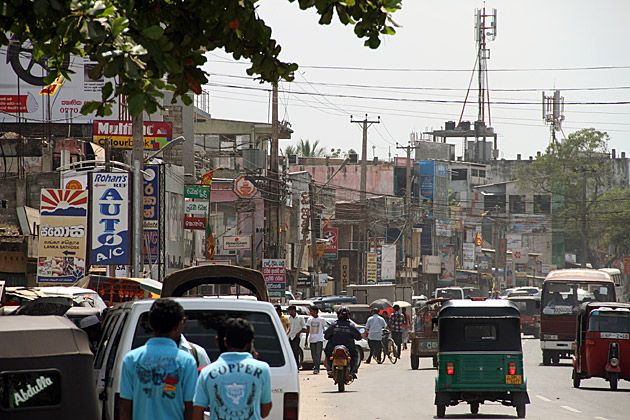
(381,304)
(402,304)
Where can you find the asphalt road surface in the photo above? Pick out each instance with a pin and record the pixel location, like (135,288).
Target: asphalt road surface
(396,392)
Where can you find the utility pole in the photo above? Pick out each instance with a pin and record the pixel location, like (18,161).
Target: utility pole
(273,222)
(137,157)
(407,233)
(365,123)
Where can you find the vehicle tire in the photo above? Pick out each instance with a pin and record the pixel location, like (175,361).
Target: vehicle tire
(415,362)
(614,380)
(474,408)
(546,358)
(341,381)
(435,362)
(392,352)
(576,379)
(520,411)
(441,411)
(556,359)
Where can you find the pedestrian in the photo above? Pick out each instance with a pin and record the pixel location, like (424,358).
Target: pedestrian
(396,326)
(296,328)
(315,327)
(158,379)
(236,386)
(405,336)
(374,331)
(283,318)
(195,350)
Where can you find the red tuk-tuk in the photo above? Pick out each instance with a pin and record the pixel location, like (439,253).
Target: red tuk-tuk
(424,336)
(602,343)
(529,307)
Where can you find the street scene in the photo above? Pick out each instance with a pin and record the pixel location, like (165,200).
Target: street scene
(339,209)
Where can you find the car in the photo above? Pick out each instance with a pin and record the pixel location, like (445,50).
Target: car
(126,327)
(327,303)
(449,293)
(520,291)
(16,296)
(306,360)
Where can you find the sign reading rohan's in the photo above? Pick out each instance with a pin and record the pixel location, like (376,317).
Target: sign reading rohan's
(157,134)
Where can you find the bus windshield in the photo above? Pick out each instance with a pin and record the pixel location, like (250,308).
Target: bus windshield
(609,321)
(565,298)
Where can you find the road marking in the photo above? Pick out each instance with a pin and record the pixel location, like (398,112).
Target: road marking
(543,398)
(571,409)
(601,418)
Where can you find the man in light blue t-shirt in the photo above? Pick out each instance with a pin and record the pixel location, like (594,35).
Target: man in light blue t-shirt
(158,379)
(236,386)
(374,329)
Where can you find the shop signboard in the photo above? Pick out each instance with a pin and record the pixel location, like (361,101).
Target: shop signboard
(235,243)
(197,192)
(331,234)
(388,265)
(152,203)
(62,235)
(110,244)
(275,275)
(372,267)
(468,262)
(156,134)
(431,264)
(196,208)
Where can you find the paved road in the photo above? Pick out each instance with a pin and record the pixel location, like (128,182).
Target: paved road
(396,392)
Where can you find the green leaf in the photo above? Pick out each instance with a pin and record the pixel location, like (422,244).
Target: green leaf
(107,91)
(90,107)
(119,25)
(136,104)
(154,32)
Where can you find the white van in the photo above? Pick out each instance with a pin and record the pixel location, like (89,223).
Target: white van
(126,327)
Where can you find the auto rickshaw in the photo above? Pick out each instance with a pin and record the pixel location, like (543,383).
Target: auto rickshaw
(602,347)
(480,356)
(45,370)
(529,307)
(424,336)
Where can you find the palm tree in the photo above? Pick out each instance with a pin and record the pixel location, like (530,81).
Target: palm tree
(305,149)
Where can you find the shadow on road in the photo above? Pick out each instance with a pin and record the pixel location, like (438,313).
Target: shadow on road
(568,364)
(603,389)
(477,416)
(337,392)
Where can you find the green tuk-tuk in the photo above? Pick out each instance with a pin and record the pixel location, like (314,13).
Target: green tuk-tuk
(480,356)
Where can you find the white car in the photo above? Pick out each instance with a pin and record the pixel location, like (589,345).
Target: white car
(79,295)
(305,351)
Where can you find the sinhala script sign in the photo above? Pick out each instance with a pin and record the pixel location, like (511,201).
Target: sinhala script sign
(110,219)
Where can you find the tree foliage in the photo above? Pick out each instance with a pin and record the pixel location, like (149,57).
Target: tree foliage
(613,221)
(576,171)
(305,148)
(156,45)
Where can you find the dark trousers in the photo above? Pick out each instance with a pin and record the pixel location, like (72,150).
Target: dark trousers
(376,349)
(295,347)
(397,337)
(316,354)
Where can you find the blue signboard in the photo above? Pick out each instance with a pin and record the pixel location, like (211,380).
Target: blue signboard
(426,169)
(151,214)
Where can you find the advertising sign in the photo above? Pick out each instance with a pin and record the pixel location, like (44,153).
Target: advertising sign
(431,264)
(330,249)
(110,219)
(388,265)
(194,222)
(196,208)
(443,228)
(344,267)
(151,197)
(427,167)
(468,262)
(274,272)
(234,243)
(62,235)
(72,180)
(244,188)
(157,134)
(199,192)
(372,267)
(23,88)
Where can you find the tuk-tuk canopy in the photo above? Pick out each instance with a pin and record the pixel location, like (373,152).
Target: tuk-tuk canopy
(178,283)
(36,336)
(499,308)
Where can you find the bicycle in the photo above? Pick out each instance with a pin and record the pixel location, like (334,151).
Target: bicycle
(389,347)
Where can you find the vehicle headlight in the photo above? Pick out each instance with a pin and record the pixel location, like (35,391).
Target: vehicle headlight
(614,362)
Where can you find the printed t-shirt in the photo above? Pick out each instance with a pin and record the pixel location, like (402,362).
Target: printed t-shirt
(316,327)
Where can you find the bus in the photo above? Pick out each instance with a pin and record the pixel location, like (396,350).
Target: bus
(563,292)
(617,277)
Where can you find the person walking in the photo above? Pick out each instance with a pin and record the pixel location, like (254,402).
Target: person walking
(396,326)
(315,327)
(236,386)
(374,332)
(158,379)
(296,328)
(283,318)
(405,335)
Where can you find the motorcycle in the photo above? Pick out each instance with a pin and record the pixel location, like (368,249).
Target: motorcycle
(341,365)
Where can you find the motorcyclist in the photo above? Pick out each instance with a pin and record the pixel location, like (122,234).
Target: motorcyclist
(342,333)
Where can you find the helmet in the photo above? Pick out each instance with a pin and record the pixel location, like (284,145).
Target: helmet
(343,313)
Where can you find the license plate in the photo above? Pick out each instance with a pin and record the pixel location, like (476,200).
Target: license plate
(340,362)
(513,379)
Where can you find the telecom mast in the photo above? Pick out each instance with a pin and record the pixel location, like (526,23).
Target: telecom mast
(485,30)
(553,112)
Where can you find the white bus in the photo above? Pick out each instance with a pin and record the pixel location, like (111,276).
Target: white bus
(617,277)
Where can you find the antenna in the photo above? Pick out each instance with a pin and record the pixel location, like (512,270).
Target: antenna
(553,113)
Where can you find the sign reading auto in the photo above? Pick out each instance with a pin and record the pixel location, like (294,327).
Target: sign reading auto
(157,134)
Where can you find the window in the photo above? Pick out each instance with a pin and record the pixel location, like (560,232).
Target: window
(474,172)
(494,203)
(542,204)
(482,173)
(30,389)
(610,321)
(517,204)
(477,333)
(201,328)
(459,175)
(108,329)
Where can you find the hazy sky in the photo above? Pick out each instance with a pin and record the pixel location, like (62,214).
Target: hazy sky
(439,34)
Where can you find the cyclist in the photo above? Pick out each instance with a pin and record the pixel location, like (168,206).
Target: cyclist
(342,333)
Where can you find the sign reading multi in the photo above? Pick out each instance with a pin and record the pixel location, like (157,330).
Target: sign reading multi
(62,235)
(110,219)
(157,134)
(275,274)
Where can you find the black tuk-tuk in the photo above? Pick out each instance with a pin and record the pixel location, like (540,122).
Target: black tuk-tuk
(45,369)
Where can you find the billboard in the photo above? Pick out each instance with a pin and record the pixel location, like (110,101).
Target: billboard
(275,274)
(62,235)
(388,265)
(157,134)
(110,219)
(23,89)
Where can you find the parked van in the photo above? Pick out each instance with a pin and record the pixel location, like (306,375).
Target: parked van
(126,327)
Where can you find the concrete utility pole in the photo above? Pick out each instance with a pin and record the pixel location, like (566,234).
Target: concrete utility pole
(273,228)
(137,158)
(365,123)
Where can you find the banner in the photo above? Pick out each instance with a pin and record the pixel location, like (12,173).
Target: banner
(275,274)
(330,249)
(157,134)
(110,219)
(62,235)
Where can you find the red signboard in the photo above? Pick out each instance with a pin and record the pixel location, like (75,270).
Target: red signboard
(196,223)
(244,188)
(157,134)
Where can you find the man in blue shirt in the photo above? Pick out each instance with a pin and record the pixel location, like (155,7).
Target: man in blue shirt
(374,329)
(158,379)
(236,386)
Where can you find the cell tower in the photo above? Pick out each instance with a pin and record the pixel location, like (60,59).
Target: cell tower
(553,112)
(485,30)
